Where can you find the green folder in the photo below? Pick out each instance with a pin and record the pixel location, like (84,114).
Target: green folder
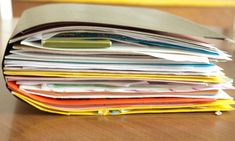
(76,43)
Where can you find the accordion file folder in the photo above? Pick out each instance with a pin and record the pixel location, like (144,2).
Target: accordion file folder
(78,59)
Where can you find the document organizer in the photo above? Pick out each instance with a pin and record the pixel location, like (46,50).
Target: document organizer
(78,59)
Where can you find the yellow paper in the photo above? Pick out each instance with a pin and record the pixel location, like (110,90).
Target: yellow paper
(213,79)
(219,105)
(197,3)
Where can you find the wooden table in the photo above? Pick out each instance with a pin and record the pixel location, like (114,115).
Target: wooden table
(21,122)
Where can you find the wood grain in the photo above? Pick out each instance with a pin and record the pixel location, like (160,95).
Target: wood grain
(21,122)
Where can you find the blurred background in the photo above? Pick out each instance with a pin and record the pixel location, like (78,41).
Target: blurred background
(216,14)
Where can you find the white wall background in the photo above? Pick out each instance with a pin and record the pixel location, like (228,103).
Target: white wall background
(6,9)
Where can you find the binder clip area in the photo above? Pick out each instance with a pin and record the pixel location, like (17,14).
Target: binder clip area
(118,112)
(103,112)
(112,112)
(218,113)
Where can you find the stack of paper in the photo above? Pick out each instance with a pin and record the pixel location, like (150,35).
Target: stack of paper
(90,70)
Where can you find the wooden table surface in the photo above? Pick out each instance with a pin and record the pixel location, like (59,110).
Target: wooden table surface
(21,122)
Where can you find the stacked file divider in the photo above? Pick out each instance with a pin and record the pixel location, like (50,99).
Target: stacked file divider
(87,70)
